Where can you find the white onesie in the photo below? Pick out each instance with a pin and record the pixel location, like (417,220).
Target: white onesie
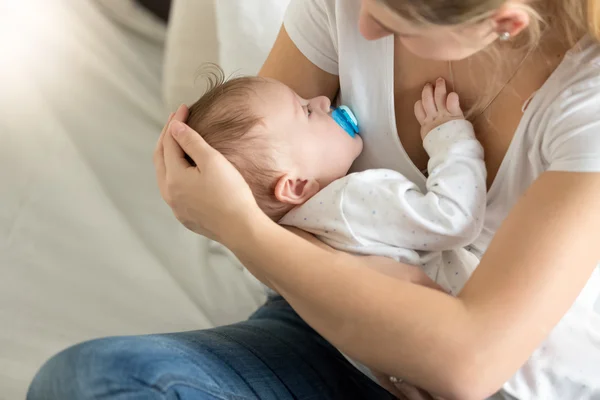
(381,212)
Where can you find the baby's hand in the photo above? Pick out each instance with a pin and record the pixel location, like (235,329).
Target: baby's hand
(437,107)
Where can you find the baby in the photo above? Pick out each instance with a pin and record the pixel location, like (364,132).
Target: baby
(295,158)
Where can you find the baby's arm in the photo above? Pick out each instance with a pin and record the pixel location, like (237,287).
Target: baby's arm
(385,207)
(456,183)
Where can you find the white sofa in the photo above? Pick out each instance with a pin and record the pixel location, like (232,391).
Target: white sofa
(87,246)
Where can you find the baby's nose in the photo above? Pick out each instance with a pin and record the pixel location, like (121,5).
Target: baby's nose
(322,103)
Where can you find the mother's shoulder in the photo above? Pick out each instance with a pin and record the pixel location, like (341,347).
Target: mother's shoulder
(584,58)
(578,75)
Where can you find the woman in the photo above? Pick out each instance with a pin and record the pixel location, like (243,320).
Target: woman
(527,320)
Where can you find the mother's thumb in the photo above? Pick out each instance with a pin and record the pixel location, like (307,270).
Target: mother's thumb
(188,139)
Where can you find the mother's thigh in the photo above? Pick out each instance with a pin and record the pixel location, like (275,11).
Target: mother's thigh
(274,355)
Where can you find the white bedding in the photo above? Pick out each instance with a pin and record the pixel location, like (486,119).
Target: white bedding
(87,247)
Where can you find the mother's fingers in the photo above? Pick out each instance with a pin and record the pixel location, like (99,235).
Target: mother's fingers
(175,160)
(158,148)
(192,143)
(412,393)
(158,156)
(180,115)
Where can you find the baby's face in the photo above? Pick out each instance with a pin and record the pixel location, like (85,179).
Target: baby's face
(312,144)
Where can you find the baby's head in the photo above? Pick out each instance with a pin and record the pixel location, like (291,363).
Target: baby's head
(287,148)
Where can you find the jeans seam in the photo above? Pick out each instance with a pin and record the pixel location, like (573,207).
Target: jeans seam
(335,354)
(257,354)
(164,389)
(207,388)
(225,336)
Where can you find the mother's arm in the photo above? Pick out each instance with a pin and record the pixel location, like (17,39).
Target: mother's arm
(464,347)
(287,64)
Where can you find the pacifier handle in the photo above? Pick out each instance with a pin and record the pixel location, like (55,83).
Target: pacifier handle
(346,119)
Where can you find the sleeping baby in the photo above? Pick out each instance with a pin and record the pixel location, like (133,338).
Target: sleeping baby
(295,155)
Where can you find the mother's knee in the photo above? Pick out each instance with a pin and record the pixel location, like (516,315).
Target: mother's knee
(137,367)
(104,367)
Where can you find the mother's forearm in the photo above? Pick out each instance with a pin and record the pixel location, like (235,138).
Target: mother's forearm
(357,309)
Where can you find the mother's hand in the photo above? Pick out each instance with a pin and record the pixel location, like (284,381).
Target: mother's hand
(210,198)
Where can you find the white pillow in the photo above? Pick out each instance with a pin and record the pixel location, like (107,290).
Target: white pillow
(236,34)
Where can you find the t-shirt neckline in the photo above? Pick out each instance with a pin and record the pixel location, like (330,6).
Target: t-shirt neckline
(531,105)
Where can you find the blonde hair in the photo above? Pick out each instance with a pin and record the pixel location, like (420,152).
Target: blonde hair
(223,116)
(572,18)
(593,18)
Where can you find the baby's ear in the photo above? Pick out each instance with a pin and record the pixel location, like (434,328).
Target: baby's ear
(296,191)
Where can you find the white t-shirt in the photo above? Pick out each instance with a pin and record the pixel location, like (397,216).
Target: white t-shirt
(380,212)
(559,131)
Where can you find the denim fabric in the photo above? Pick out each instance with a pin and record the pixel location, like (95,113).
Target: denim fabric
(273,355)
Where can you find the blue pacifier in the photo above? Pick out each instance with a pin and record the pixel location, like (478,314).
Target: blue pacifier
(346,119)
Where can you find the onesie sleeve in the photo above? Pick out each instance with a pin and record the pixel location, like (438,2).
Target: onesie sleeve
(384,207)
(311,25)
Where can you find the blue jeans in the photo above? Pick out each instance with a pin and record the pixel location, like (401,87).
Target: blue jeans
(273,355)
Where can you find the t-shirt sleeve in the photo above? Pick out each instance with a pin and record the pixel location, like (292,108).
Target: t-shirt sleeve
(311,26)
(572,141)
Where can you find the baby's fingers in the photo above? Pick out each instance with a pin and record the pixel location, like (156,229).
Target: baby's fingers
(440,94)
(453,105)
(428,101)
(420,112)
